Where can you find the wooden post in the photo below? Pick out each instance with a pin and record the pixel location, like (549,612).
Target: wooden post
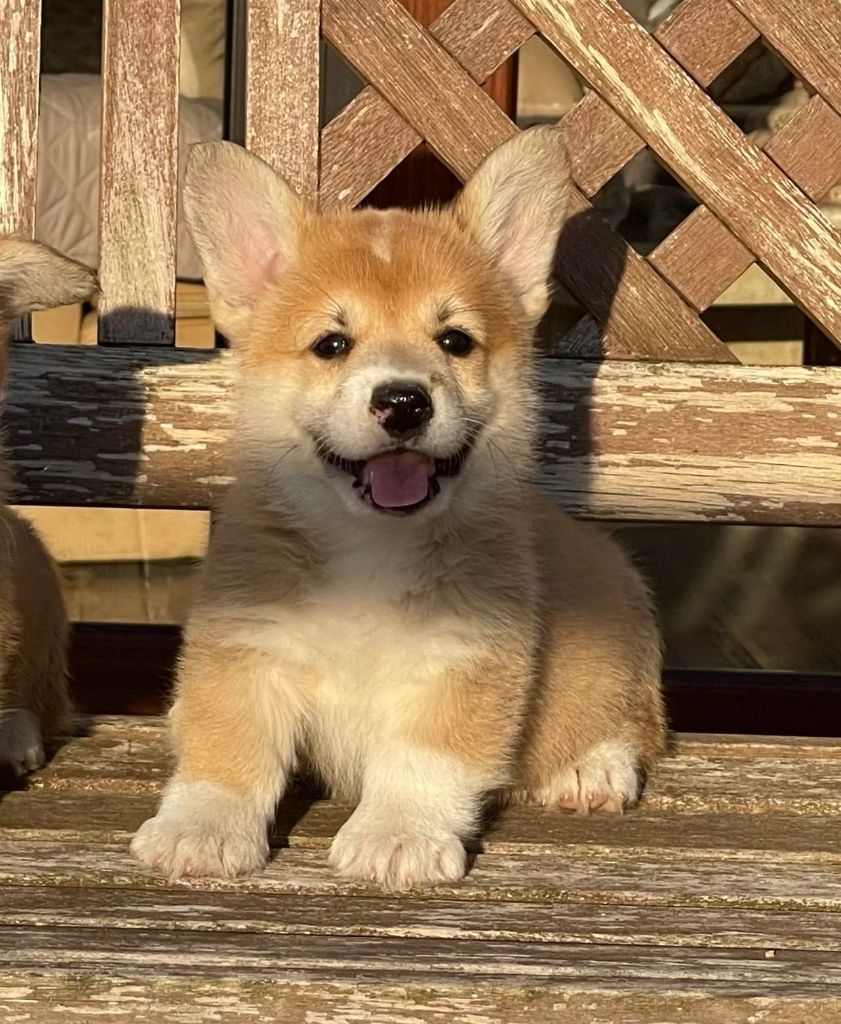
(139,174)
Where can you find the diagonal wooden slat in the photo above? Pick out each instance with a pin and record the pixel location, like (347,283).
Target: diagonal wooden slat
(483,34)
(281,90)
(705,37)
(418,77)
(642,316)
(806,35)
(139,171)
(702,147)
(702,257)
(463,124)
(600,143)
(808,148)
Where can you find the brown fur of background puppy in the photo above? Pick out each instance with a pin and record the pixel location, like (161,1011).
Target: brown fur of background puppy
(388,602)
(33,623)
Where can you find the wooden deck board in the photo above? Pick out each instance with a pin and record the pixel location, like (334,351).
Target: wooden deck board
(718,900)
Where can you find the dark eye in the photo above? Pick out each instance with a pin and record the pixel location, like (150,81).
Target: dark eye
(331,345)
(457,343)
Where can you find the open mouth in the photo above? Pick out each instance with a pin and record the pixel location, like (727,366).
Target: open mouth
(400,481)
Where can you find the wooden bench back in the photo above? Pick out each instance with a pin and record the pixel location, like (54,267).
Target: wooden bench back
(669,427)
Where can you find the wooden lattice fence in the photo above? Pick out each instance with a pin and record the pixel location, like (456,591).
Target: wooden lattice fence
(631,437)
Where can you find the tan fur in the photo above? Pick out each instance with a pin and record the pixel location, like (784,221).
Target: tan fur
(33,622)
(486,645)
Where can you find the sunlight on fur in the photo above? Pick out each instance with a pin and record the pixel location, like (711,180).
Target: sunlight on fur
(387,602)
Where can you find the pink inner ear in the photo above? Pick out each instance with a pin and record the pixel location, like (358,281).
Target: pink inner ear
(257,260)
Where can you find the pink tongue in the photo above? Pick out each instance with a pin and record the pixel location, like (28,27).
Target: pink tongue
(399,479)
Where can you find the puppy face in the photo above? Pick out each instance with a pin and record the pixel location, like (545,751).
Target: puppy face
(385,354)
(33,276)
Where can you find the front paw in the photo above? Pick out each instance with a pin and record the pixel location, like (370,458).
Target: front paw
(396,858)
(201,831)
(21,748)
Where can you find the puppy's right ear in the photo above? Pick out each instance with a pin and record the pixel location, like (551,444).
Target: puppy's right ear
(245,222)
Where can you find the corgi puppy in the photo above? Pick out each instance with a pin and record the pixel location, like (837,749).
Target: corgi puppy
(33,622)
(387,602)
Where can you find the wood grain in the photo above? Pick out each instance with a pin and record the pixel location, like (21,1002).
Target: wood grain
(100,907)
(808,148)
(701,258)
(702,147)
(705,37)
(463,125)
(367,139)
(188,998)
(605,877)
(626,441)
(643,317)
(600,143)
(807,36)
(281,91)
(434,93)
(683,914)
(139,171)
(20,29)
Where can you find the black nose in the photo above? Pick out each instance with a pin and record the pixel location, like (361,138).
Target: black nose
(401,408)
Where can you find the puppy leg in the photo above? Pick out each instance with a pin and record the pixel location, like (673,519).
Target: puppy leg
(235,724)
(34,701)
(407,830)
(423,786)
(597,724)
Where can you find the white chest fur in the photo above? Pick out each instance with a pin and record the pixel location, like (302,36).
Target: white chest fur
(362,654)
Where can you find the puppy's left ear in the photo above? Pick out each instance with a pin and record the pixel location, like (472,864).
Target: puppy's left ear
(34,276)
(515,205)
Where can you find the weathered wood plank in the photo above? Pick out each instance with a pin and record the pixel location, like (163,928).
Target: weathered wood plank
(701,258)
(808,148)
(139,171)
(807,36)
(701,146)
(367,139)
(621,440)
(150,998)
(600,143)
(705,37)
(385,959)
(281,91)
(660,915)
(661,826)
(758,881)
(697,785)
(53,907)
(20,30)
(111,729)
(436,95)
(645,318)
